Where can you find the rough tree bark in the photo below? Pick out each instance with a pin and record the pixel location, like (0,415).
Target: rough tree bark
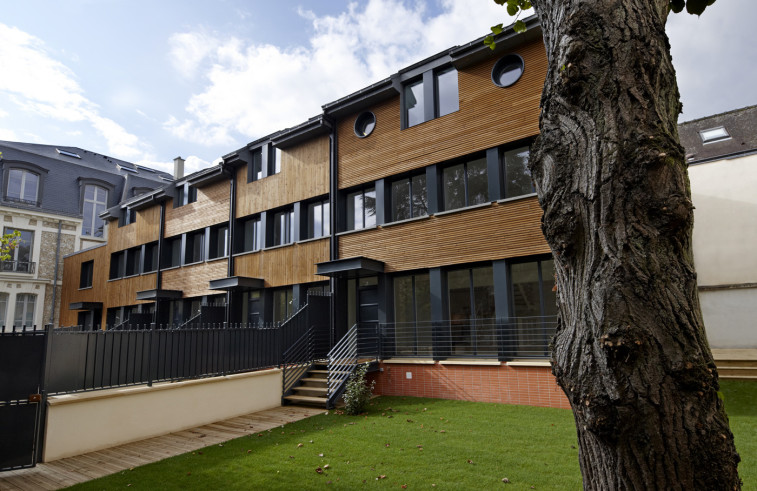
(630,351)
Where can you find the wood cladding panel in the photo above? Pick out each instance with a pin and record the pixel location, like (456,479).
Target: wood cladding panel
(145,229)
(284,265)
(211,207)
(304,174)
(114,293)
(499,231)
(193,280)
(488,116)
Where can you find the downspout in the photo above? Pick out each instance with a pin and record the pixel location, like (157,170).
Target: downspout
(333,240)
(158,273)
(232,228)
(55,277)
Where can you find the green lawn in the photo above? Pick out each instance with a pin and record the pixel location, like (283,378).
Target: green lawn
(420,443)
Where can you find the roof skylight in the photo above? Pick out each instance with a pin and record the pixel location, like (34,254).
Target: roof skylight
(714,134)
(68,154)
(127,169)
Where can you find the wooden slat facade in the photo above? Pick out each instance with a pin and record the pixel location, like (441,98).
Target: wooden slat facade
(285,265)
(145,229)
(489,116)
(304,174)
(211,208)
(499,231)
(193,279)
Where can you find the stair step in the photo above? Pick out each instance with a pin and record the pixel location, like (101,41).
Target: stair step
(305,388)
(317,400)
(738,377)
(314,380)
(326,371)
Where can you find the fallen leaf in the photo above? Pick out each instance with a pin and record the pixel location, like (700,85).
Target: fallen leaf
(409,420)
(470,461)
(442,431)
(326,466)
(189,473)
(386,444)
(300,445)
(381,476)
(320,455)
(404,486)
(249,451)
(319,470)
(505,480)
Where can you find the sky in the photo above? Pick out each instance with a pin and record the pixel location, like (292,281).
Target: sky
(147,81)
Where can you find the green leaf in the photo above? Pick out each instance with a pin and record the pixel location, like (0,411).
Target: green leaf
(696,7)
(677,5)
(497,29)
(512,9)
(519,26)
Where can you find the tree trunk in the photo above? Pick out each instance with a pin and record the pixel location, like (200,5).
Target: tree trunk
(630,350)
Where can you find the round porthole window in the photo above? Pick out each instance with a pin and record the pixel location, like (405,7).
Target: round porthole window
(364,124)
(507,70)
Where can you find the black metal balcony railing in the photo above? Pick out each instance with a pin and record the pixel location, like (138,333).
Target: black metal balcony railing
(17,266)
(504,339)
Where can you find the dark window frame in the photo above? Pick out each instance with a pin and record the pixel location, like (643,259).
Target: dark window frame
(475,157)
(86,274)
(411,183)
(361,190)
(284,235)
(430,90)
(309,229)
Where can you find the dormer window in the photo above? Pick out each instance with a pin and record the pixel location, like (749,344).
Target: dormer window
(23,186)
(434,95)
(95,202)
(185,194)
(714,135)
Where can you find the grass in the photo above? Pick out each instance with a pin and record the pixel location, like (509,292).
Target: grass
(420,443)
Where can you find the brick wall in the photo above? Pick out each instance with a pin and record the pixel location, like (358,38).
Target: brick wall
(530,386)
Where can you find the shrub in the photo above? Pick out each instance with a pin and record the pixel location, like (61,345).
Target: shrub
(358,392)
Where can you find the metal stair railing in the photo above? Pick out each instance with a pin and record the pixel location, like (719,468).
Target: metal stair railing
(342,363)
(296,361)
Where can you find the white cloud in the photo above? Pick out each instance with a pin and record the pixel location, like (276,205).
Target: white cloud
(8,135)
(42,85)
(192,164)
(255,89)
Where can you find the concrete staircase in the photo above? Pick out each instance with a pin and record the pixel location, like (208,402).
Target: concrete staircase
(736,364)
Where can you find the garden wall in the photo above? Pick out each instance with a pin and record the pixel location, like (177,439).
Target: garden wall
(90,421)
(529,383)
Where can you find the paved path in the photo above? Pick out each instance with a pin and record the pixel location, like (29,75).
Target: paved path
(69,471)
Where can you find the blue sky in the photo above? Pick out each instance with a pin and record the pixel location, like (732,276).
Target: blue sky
(146,81)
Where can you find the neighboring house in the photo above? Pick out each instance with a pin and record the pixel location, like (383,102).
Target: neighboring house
(722,154)
(53,195)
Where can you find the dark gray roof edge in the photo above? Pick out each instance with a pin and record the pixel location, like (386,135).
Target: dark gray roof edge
(379,88)
(303,131)
(206,176)
(725,113)
(728,156)
(533,27)
(32,208)
(85,250)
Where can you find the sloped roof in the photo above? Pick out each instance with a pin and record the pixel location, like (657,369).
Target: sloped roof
(741,128)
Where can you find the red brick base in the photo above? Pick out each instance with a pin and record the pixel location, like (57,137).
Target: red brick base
(530,386)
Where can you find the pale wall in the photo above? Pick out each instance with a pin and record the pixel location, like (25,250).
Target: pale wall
(85,422)
(730,317)
(725,221)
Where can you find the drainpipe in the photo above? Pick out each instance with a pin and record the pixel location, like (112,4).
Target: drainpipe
(232,230)
(55,277)
(333,240)
(158,273)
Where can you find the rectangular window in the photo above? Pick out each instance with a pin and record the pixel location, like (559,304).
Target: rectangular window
(318,219)
(133,260)
(193,252)
(151,258)
(24,315)
(252,307)
(85,276)
(534,307)
(171,252)
(21,256)
(414,104)
(361,209)
(412,315)
(117,265)
(283,304)
(22,186)
(3,308)
(447,95)
(446,98)
(276,160)
(283,227)
(185,194)
(409,198)
(470,294)
(256,166)
(516,174)
(95,202)
(219,242)
(253,235)
(465,184)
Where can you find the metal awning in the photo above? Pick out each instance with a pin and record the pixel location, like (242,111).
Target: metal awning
(159,294)
(233,283)
(352,267)
(85,306)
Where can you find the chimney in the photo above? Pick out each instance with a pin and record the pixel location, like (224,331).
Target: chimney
(178,168)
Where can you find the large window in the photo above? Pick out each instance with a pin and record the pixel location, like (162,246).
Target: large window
(95,202)
(219,242)
(445,100)
(361,209)
(283,227)
(256,166)
(24,315)
(412,315)
(171,252)
(252,307)
(21,256)
(534,307)
(465,184)
(253,235)
(133,261)
(283,304)
(516,174)
(3,308)
(193,251)
(471,311)
(85,275)
(185,194)
(23,186)
(117,265)
(318,219)
(409,198)
(151,257)
(275,165)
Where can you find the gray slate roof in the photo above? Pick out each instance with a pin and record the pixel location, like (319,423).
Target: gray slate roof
(60,188)
(741,125)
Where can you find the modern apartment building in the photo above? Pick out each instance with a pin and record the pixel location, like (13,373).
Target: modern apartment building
(53,196)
